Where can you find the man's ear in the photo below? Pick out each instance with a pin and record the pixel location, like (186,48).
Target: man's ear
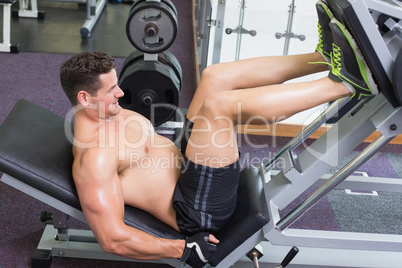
(83,98)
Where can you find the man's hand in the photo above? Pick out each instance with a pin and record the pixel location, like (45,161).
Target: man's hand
(199,249)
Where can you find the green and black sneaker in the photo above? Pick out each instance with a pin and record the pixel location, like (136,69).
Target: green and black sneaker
(325,40)
(348,64)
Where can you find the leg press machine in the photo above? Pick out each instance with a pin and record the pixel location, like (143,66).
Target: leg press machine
(36,158)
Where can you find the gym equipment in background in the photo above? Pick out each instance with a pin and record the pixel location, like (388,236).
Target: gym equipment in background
(6,46)
(151,88)
(152,26)
(29,9)
(151,76)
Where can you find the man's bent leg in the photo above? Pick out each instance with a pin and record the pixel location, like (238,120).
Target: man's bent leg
(210,171)
(213,139)
(205,194)
(251,73)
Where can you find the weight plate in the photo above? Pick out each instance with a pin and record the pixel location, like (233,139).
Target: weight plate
(168,58)
(171,5)
(150,88)
(165,57)
(136,2)
(134,56)
(167,2)
(151,27)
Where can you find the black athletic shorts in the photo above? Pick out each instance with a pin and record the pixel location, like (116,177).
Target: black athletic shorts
(204,197)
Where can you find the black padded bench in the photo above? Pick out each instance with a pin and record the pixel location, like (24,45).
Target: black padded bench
(36,157)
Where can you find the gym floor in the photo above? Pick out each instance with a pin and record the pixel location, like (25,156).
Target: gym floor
(59,31)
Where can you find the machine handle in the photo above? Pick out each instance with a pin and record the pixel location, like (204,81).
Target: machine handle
(289,257)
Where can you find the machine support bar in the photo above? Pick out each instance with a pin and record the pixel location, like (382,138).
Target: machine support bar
(241,20)
(94,9)
(310,129)
(6,25)
(337,178)
(289,28)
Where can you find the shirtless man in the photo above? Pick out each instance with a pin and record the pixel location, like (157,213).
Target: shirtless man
(119,159)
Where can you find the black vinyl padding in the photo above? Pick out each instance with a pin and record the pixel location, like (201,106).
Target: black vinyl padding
(250,216)
(397,76)
(35,150)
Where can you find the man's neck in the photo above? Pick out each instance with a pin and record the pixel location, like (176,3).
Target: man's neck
(91,116)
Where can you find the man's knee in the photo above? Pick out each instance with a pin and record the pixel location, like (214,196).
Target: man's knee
(219,104)
(209,74)
(216,75)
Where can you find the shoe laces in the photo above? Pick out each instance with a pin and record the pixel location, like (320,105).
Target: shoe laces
(320,41)
(336,58)
(336,62)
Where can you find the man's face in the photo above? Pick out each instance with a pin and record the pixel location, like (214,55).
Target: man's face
(107,97)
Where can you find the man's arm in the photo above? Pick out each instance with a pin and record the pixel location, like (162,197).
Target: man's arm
(101,197)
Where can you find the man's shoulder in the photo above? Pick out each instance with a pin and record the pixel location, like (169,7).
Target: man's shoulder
(96,151)
(126,113)
(132,116)
(94,156)
(97,161)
